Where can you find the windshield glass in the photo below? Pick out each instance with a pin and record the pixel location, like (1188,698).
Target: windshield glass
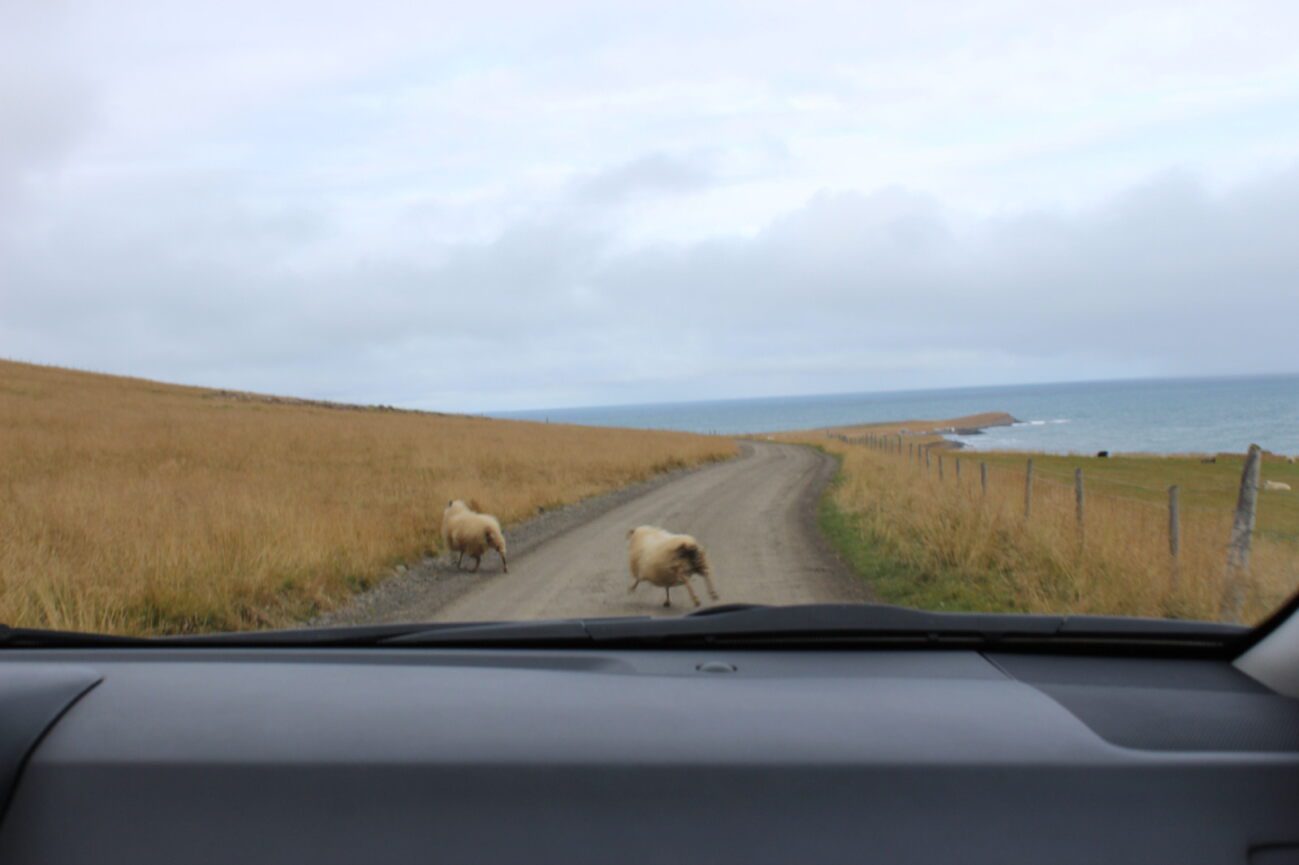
(356,313)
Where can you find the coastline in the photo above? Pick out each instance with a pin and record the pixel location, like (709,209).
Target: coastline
(1156,416)
(928,432)
(938,434)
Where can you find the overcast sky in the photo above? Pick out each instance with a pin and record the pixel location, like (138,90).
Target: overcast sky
(508,206)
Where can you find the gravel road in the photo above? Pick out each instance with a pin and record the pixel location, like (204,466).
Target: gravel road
(755,516)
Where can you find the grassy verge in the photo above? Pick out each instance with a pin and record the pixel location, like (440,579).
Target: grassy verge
(941,542)
(137,507)
(894,580)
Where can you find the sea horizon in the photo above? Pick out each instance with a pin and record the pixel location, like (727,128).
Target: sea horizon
(1188,414)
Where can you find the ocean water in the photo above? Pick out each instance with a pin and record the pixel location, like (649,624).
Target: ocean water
(1146,415)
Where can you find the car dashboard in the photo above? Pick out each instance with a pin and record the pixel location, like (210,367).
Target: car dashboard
(747,756)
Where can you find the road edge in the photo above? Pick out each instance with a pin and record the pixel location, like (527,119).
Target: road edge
(839,570)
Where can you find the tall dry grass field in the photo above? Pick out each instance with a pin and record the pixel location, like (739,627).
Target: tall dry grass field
(945,544)
(136,507)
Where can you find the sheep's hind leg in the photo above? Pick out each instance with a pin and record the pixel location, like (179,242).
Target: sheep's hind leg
(690,589)
(460,558)
(477,560)
(667,596)
(634,583)
(708,581)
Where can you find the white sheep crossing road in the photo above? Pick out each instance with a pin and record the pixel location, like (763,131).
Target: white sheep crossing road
(755,515)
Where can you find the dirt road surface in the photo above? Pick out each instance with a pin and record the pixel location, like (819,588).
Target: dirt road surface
(755,516)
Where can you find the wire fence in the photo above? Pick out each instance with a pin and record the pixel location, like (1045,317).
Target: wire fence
(1161,557)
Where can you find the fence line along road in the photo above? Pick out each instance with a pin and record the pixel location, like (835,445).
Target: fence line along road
(1243,519)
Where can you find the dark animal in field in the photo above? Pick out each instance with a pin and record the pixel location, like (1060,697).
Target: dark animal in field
(1102,454)
(1209,460)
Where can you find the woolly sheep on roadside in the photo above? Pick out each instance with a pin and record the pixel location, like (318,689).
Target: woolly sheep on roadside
(1278,486)
(664,559)
(469,533)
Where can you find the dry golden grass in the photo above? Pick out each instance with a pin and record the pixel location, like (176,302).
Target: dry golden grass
(943,544)
(136,507)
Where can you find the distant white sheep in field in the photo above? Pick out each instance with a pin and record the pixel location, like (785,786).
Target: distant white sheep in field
(664,559)
(1276,485)
(469,533)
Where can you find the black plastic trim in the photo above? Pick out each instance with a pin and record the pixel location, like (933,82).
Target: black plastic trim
(31,702)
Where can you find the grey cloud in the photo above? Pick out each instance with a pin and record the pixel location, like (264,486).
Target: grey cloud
(850,291)
(46,103)
(1149,279)
(41,123)
(427,205)
(656,173)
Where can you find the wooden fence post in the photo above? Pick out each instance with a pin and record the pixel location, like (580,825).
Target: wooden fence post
(958,469)
(1079,504)
(983,477)
(1174,532)
(1242,530)
(940,467)
(926,457)
(899,444)
(1028,490)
